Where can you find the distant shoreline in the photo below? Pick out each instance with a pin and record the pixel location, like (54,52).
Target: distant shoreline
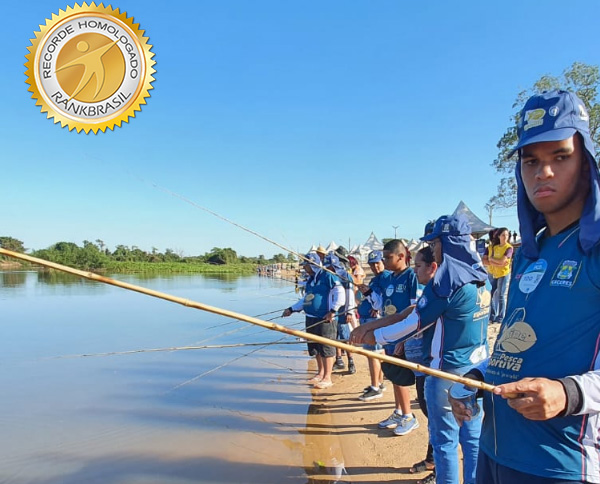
(149,267)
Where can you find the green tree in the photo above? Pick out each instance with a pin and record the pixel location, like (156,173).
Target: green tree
(10,243)
(122,253)
(221,256)
(584,80)
(279,258)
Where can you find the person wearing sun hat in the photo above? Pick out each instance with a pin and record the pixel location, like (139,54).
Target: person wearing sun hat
(456,303)
(324,296)
(542,421)
(345,319)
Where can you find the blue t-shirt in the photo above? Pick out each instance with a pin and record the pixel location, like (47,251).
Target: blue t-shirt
(399,292)
(551,330)
(459,338)
(366,304)
(316,300)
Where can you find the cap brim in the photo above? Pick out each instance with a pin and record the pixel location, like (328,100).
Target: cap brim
(428,237)
(552,135)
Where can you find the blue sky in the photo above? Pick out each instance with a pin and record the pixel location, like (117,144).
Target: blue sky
(305,121)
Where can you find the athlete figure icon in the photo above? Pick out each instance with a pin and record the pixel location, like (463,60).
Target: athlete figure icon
(92,63)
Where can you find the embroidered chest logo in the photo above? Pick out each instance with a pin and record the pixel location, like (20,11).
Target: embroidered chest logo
(400,288)
(566,273)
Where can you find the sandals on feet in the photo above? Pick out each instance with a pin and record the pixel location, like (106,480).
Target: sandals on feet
(323,384)
(314,379)
(430,479)
(422,467)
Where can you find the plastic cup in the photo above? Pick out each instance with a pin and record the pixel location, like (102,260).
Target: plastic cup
(466,395)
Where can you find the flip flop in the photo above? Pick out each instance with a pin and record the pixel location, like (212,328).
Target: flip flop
(323,384)
(314,379)
(421,467)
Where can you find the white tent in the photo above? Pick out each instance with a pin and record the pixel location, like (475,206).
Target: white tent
(478,226)
(373,243)
(331,247)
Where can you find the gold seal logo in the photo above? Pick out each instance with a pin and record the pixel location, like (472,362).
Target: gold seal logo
(90,68)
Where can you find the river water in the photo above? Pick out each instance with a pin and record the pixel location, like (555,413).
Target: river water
(222,415)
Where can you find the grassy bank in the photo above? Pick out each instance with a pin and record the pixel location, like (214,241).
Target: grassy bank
(179,267)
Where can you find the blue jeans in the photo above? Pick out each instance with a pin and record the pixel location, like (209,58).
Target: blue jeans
(445,434)
(499,292)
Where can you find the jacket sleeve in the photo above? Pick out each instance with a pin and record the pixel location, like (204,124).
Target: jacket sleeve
(394,332)
(298,306)
(584,397)
(337,297)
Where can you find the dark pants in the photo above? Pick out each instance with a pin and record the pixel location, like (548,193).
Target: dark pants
(490,472)
(420,384)
(321,328)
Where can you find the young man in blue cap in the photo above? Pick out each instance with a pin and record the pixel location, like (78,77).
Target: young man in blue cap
(345,318)
(542,421)
(457,301)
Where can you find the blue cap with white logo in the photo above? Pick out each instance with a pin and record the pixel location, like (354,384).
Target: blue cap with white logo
(449,225)
(556,116)
(551,116)
(375,256)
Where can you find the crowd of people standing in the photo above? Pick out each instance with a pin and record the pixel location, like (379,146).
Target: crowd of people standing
(540,423)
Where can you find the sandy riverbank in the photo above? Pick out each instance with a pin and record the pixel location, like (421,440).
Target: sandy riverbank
(347,431)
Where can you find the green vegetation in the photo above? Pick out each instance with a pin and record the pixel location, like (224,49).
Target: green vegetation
(584,80)
(96,256)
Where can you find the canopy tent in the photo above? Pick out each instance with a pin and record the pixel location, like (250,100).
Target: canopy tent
(373,243)
(361,251)
(331,247)
(478,227)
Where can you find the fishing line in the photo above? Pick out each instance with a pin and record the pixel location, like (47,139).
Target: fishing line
(221,217)
(173,348)
(258,322)
(216,368)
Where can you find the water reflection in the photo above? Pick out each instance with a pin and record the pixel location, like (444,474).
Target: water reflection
(53,278)
(172,416)
(323,456)
(12,279)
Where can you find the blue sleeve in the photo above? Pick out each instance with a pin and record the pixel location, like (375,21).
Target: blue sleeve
(331,281)
(414,287)
(430,307)
(593,268)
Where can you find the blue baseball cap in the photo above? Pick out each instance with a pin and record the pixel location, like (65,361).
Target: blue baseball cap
(449,225)
(375,256)
(331,260)
(551,116)
(311,258)
(428,228)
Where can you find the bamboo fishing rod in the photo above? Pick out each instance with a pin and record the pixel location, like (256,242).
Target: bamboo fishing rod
(249,319)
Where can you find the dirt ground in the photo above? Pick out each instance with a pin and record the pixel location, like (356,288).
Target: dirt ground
(346,433)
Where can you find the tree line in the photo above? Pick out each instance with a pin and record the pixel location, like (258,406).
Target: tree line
(95,255)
